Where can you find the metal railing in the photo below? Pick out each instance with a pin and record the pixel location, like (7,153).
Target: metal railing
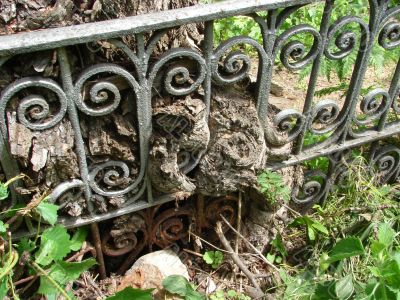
(360,120)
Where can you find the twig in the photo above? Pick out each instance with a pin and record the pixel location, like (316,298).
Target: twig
(192,252)
(236,258)
(208,243)
(51,280)
(292,210)
(239,220)
(85,248)
(251,245)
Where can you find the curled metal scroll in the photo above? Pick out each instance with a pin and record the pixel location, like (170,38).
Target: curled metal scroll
(345,41)
(104,95)
(114,174)
(225,206)
(312,190)
(326,113)
(295,50)
(169,226)
(35,106)
(389,36)
(385,164)
(284,120)
(180,74)
(236,64)
(63,188)
(122,237)
(373,108)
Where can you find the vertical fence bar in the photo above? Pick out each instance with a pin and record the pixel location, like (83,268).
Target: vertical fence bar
(80,149)
(307,109)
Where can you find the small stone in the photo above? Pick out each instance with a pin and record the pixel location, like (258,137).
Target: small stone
(150,270)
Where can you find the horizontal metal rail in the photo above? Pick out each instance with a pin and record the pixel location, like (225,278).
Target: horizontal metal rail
(84,33)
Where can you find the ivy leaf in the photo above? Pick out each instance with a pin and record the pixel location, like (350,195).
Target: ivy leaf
(177,284)
(54,245)
(213,258)
(131,293)
(66,271)
(25,245)
(194,295)
(78,238)
(63,272)
(48,212)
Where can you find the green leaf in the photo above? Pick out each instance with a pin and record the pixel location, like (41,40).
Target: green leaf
(271,258)
(3,227)
(54,245)
(25,245)
(213,258)
(278,244)
(3,191)
(78,238)
(386,234)
(231,293)
(3,288)
(48,212)
(311,233)
(346,248)
(321,228)
(131,293)
(177,284)
(208,257)
(377,248)
(64,272)
(391,273)
(194,295)
(344,288)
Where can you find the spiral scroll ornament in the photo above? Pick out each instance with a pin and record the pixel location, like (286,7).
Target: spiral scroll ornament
(293,53)
(235,66)
(34,110)
(345,41)
(289,122)
(122,238)
(325,114)
(389,36)
(178,80)
(104,95)
(374,104)
(225,206)
(313,189)
(112,178)
(385,164)
(170,226)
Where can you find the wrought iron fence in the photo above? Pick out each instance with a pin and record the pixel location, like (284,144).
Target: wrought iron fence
(40,103)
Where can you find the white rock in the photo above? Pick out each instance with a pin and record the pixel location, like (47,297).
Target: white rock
(150,270)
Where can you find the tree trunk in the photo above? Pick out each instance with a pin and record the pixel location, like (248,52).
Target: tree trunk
(17,16)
